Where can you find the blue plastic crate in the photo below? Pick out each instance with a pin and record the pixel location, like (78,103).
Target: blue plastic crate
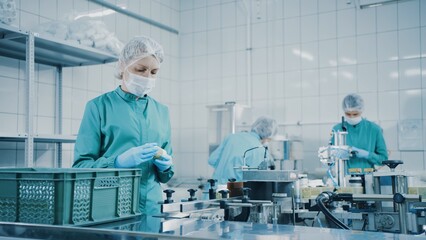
(68,196)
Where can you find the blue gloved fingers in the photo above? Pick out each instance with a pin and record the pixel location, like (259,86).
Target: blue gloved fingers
(360,153)
(165,157)
(136,155)
(149,150)
(163,165)
(147,155)
(128,159)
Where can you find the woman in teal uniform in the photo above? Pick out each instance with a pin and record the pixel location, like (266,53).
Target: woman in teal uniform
(229,155)
(125,128)
(365,138)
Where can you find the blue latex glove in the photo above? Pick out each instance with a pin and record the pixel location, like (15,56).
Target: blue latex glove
(164,162)
(361,153)
(136,155)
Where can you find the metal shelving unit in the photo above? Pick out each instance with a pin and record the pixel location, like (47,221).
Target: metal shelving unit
(33,48)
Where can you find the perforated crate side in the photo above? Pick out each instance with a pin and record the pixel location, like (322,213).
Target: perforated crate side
(128,198)
(81,201)
(8,197)
(68,196)
(36,201)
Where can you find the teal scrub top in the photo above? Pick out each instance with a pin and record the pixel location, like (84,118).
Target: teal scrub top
(117,121)
(368,136)
(230,153)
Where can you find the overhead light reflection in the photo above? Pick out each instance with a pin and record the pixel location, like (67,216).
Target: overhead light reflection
(99,12)
(411,56)
(347,75)
(412,72)
(413,92)
(393,74)
(304,55)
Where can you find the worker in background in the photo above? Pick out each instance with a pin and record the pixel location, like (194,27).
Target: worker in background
(227,159)
(368,147)
(126,128)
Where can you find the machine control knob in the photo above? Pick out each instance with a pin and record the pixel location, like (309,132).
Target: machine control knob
(392,164)
(232,180)
(398,198)
(246,191)
(168,193)
(224,193)
(212,182)
(192,194)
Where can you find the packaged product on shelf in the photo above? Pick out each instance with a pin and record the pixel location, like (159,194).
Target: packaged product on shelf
(84,31)
(7,11)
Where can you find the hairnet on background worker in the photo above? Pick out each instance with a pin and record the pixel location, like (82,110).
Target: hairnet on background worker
(125,128)
(365,137)
(230,152)
(353,103)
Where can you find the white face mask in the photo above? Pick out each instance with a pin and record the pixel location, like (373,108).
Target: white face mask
(139,85)
(353,121)
(265,143)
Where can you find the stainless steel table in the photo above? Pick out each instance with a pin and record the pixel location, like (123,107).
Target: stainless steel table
(146,227)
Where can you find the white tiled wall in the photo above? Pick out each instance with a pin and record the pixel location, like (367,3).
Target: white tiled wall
(306,55)
(80,84)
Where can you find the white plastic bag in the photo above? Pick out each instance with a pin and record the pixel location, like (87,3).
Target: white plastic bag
(7,11)
(84,31)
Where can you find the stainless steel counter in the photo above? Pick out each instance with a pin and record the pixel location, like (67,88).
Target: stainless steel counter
(157,228)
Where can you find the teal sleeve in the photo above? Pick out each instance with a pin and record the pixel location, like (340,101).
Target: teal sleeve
(167,145)
(215,155)
(165,176)
(88,144)
(380,152)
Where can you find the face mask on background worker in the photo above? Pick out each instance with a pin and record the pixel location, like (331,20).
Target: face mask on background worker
(265,142)
(353,120)
(143,81)
(353,106)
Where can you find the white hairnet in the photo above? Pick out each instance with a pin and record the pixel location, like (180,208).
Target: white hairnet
(138,48)
(353,102)
(265,127)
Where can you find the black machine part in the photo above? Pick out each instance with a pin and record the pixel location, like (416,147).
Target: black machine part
(212,191)
(224,193)
(392,164)
(168,193)
(192,195)
(343,124)
(327,197)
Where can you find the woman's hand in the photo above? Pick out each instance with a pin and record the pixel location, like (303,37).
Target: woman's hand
(361,153)
(164,162)
(136,155)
